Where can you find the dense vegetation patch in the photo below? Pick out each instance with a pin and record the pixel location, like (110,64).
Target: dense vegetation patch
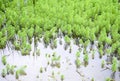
(84,20)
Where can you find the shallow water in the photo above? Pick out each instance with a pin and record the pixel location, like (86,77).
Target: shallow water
(67,64)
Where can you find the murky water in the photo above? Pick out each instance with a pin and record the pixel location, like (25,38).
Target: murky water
(67,65)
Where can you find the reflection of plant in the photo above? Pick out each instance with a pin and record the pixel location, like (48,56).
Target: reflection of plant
(4,61)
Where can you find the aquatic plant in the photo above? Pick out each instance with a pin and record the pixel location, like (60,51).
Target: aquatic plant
(103,64)
(108,79)
(3,41)
(8,68)
(80,41)
(86,59)
(30,32)
(12,69)
(17,45)
(77,54)
(38,52)
(108,51)
(20,71)
(62,77)
(26,48)
(56,58)
(41,69)
(92,79)
(70,50)
(93,54)
(10,32)
(17,74)
(55,43)
(101,51)
(67,39)
(86,43)
(114,64)
(78,63)
(53,73)
(4,60)
(4,72)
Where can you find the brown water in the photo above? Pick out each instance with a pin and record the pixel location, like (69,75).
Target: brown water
(67,65)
